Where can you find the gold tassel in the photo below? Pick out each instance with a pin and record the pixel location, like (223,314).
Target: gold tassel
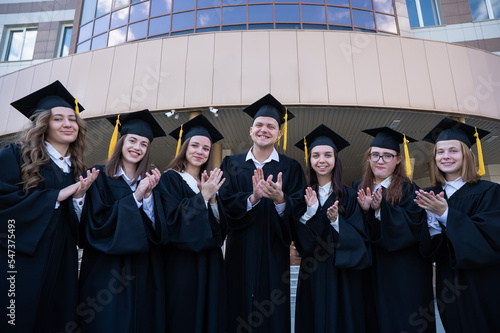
(305,150)
(114,138)
(285,129)
(407,157)
(179,142)
(481,170)
(77,109)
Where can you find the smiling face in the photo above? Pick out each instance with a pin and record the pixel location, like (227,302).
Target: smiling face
(323,160)
(381,170)
(449,158)
(198,151)
(134,149)
(265,131)
(63,128)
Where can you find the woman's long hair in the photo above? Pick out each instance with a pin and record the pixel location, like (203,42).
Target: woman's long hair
(338,186)
(179,163)
(394,193)
(34,153)
(467,172)
(115,161)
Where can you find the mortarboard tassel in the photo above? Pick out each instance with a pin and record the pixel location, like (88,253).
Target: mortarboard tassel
(407,157)
(179,142)
(305,150)
(114,138)
(285,129)
(481,170)
(77,109)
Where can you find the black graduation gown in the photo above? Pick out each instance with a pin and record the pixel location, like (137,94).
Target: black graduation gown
(330,296)
(400,277)
(121,277)
(258,246)
(46,259)
(467,255)
(195,278)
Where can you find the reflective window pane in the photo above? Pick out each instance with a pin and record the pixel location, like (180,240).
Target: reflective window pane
(208,3)
(478,10)
(159,25)
(286,1)
(386,23)
(99,42)
(338,2)
(103,7)
(180,5)
(119,18)
(84,47)
(367,4)
(139,12)
(384,6)
(288,26)
(137,30)
(287,13)
(160,7)
(234,27)
(234,15)
(260,1)
(208,17)
(183,21)
(314,1)
(260,13)
(121,3)
(363,19)
(495,6)
(262,26)
(88,10)
(314,26)
(337,15)
(428,12)
(233,2)
(66,40)
(101,25)
(412,13)
(209,29)
(311,13)
(85,32)
(117,36)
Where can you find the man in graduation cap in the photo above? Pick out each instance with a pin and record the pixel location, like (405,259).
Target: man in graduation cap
(41,193)
(463,234)
(260,191)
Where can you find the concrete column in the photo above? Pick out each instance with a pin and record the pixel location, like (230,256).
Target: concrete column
(193,114)
(217,147)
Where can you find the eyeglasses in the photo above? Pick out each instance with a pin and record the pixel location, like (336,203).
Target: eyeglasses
(375,157)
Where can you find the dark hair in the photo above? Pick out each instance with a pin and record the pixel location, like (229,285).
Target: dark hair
(113,165)
(467,172)
(179,162)
(338,186)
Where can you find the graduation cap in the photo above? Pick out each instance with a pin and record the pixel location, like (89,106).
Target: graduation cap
(46,98)
(139,122)
(321,135)
(199,125)
(268,106)
(388,138)
(449,129)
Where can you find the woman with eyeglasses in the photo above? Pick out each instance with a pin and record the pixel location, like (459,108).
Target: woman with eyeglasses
(399,283)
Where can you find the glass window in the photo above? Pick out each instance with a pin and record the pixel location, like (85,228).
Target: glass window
(83,47)
(139,12)
(287,13)
(21,44)
(363,19)
(233,2)
(384,6)
(185,32)
(234,27)
(311,13)
(313,1)
(159,25)
(117,36)
(314,26)
(341,16)
(478,10)
(367,4)
(260,13)
(103,7)
(99,42)
(208,29)
(495,6)
(234,15)
(260,1)
(208,17)
(137,30)
(88,10)
(181,5)
(338,2)
(429,14)
(265,26)
(295,26)
(160,7)
(412,13)
(208,3)
(183,21)
(286,0)
(121,3)
(336,27)
(66,32)
(119,18)
(101,25)
(85,32)
(386,23)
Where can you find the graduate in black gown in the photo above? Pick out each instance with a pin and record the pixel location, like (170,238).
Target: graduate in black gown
(400,279)
(121,277)
(463,234)
(261,189)
(330,235)
(194,264)
(40,194)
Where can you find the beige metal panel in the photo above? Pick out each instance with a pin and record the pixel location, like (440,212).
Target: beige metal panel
(484,82)
(440,75)
(173,69)
(255,66)
(366,69)
(122,77)
(417,74)
(4,115)
(14,120)
(312,68)
(392,71)
(41,78)
(147,75)
(60,70)
(227,69)
(98,83)
(79,74)
(493,83)
(199,70)
(339,67)
(24,82)
(462,79)
(284,66)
